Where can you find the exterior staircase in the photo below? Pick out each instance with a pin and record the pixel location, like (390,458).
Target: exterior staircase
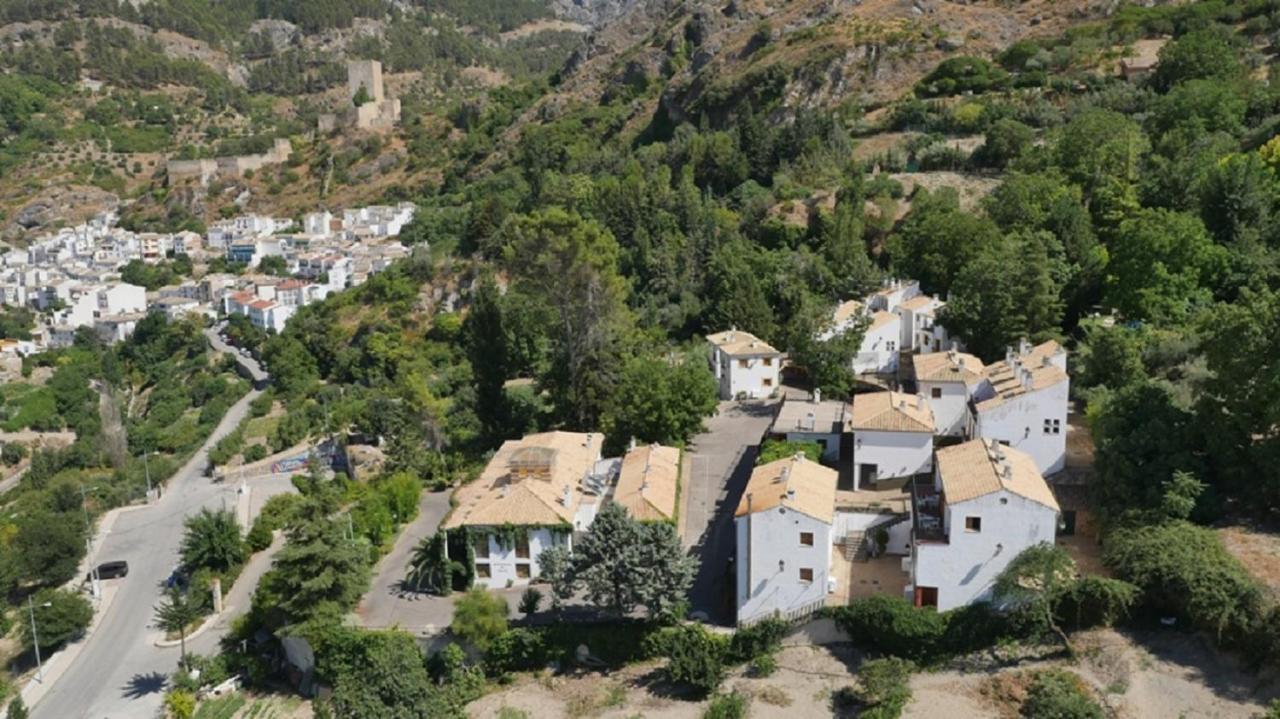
(855,546)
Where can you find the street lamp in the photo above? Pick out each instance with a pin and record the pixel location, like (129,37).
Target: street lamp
(35,637)
(95,580)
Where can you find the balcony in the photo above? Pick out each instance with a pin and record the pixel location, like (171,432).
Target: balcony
(926,510)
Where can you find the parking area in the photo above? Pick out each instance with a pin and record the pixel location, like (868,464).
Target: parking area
(716,469)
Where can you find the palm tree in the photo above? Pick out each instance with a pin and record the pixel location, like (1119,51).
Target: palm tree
(429,565)
(213,540)
(177,612)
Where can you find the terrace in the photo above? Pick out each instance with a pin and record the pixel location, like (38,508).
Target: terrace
(927,510)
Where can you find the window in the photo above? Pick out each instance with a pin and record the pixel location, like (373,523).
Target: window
(767,382)
(742,363)
(1052,426)
(482,547)
(522,571)
(973,524)
(806,539)
(768,361)
(522,547)
(806,574)
(891,346)
(482,571)
(935,392)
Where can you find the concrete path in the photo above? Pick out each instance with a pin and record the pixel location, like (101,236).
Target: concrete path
(719,465)
(387,604)
(119,673)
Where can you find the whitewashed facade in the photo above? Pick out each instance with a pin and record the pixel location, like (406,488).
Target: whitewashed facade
(744,365)
(1023,403)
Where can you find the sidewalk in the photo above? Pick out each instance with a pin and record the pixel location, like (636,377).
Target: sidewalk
(56,664)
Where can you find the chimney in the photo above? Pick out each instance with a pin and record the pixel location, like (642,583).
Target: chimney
(566,496)
(919,401)
(810,421)
(1008,355)
(791,493)
(587,441)
(960,362)
(1023,346)
(632,445)
(1007,471)
(817,395)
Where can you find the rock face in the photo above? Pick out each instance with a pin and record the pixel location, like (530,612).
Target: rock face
(58,207)
(593,13)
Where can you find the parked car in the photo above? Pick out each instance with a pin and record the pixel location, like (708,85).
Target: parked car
(112,570)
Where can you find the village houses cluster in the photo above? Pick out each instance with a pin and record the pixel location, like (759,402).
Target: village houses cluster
(73,278)
(926,486)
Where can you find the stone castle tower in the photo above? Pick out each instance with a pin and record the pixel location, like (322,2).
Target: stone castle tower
(379,114)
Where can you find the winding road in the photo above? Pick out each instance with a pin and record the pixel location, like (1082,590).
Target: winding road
(119,673)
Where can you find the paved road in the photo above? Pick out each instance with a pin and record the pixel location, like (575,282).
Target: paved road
(120,674)
(387,604)
(720,464)
(12,481)
(256,374)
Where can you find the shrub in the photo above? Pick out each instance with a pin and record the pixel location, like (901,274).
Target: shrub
(517,650)
(892,626)
(530,600)
(479,617)
(696,657)
(884,691)
(727,706)
(259,536)
(1058,694)
(180,704)
(764,665)
(757,640)
(255,453)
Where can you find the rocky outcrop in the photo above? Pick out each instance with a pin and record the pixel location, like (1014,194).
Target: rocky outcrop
(59,207)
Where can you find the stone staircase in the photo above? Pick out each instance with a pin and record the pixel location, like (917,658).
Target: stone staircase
(855,546)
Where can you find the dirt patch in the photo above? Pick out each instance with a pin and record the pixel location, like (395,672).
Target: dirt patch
(1137,675)
(1259,552)
(545,25)
(971,188)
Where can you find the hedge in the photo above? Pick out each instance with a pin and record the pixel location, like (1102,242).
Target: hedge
(893,626)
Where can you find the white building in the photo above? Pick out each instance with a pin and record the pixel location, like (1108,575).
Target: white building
(987,504)
(265,314)
(784,535)
(918,325)
(948,380)
(813,420)
(892,437)
(544,487)
(744,365)
(318,224)
(1022,402)
(175,307)
(878,353)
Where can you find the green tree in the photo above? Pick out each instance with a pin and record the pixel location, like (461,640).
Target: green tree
(479,617)
(50,546)
(1035,583)
(556,566)
(571,264)
(65,619)
(659,399)
(361,97)
(884,687)
(937,238)
(1109,356)
(212,540)
(1204,53)
(1010,291)
(530,600)
(1163,264)
(319,567)
(487,343)
(429,567)
(622,563)
(1005,142)
(1099,150)
(735,294)
(843,247)
(695,657)
(177,611)
(274,265)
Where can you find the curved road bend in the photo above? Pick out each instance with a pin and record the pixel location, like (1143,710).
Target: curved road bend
(120,674)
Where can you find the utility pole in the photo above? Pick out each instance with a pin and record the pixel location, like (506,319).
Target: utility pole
(94,581)
(35,637)
(146,467)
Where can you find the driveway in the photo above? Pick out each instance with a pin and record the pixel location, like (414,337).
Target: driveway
(119,673)
(718,467)
(387,603)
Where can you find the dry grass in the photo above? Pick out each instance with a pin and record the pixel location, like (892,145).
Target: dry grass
(1259,552)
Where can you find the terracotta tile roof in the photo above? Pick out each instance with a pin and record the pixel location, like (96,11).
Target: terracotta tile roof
(796,483)
(846,310)
(982,466)
(527,481)
(1031,371)
(647,482)
(291,284)
(882,318)
(262,304)
(950,366)
(921,302)
(891,412)
(737,342)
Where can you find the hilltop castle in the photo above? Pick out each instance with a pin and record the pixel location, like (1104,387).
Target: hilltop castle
(378,112)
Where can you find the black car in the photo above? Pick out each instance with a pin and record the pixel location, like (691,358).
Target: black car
(112,570)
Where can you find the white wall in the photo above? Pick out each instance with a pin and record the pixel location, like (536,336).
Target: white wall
(951,410)
(750,380)
(895,454)
(965,568)
(502,562)
(1020,421)
(879,351)
(775,537)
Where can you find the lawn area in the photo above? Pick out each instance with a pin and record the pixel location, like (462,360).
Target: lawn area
(261,426)
(29,406)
